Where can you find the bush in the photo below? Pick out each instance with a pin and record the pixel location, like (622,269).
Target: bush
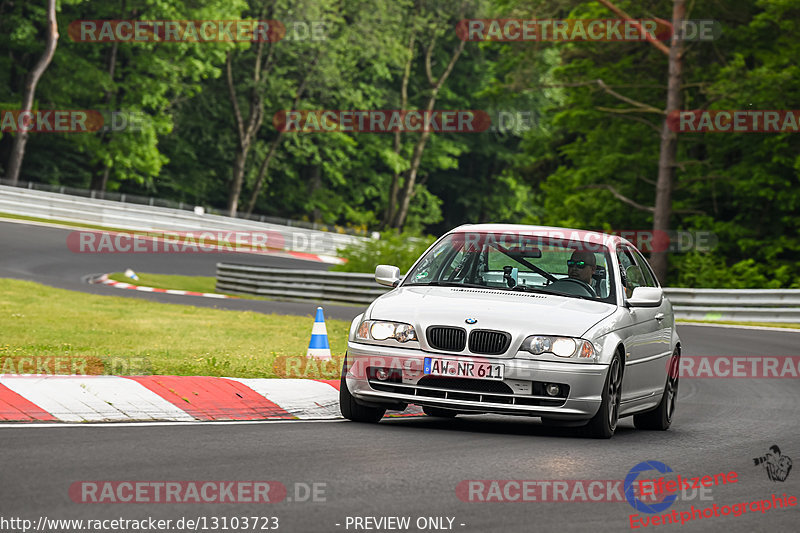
(393,248)
(710,271)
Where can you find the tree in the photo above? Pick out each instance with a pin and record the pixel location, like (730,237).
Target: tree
(435,23)
(29,90)
(669,139)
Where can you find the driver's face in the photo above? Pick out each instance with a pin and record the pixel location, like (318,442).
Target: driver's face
(583,273)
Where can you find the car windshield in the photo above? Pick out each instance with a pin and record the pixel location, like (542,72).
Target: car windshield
(518,263)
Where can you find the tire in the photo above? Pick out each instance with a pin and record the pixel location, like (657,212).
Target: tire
(437,412)
(660,418)
(604,423)
(351,409)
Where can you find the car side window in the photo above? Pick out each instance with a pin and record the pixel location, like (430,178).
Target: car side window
(632,276)
(649,278)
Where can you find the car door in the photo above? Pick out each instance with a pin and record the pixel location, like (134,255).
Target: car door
(642,346)
(665,322)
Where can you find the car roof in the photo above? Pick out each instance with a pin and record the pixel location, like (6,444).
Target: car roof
(607,239)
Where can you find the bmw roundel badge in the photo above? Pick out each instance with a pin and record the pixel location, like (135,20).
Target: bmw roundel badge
(471,320)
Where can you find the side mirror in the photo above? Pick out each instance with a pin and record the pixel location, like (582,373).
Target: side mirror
(646,297)
(388,275)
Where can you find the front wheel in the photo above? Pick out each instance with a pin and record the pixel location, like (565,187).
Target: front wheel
(604,423)
(353,410)
(660,418)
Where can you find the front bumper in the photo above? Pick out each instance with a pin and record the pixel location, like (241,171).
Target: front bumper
(585,382)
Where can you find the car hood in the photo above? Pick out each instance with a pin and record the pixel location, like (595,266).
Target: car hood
(518,313)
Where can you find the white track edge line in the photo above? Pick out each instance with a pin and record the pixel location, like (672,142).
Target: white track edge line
(18,425)
(736,326)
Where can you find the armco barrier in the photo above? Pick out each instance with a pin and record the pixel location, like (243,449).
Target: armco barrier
(55,206)
(182,206)
(342,287)
(745,305)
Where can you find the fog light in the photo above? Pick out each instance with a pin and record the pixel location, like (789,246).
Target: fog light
(382,374)
(553,389)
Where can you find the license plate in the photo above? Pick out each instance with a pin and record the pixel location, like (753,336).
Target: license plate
(462,369)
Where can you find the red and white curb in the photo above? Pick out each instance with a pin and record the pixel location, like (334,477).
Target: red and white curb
(122,285)
(175,398)
(53,398)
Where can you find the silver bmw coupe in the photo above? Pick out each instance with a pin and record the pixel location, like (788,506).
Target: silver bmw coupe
(568,325)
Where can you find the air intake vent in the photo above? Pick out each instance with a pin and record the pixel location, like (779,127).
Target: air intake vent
(446,338)
(461,384)
(488,342)
(504,293)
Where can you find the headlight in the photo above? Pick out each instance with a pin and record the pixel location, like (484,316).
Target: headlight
(378,330)
(566,347)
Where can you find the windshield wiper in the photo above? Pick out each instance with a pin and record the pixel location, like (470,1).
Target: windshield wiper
(528,288)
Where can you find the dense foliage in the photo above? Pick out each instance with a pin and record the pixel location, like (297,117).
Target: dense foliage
(393,248)
(586,157)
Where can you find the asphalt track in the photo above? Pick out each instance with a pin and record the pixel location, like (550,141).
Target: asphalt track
(40,253)
(404,467)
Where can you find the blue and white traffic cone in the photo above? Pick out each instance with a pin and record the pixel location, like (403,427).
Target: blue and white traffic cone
(131,274)
(319,348)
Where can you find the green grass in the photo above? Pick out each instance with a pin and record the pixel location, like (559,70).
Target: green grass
(168,281)
(110,334)
(731,323)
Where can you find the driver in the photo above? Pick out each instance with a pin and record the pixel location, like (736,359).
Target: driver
(581,266)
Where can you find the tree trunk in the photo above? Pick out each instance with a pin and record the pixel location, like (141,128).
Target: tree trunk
(408,188)
(235,188)
(100,178)
(394,189)
(416,158)
(246,130)
(102,171)
(18,149)
(262,171)
(669,143)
